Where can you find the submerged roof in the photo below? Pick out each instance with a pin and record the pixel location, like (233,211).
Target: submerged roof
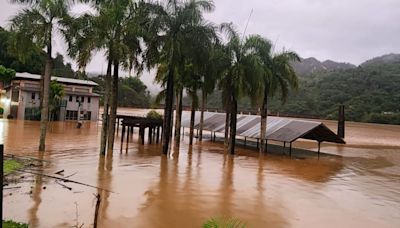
(278,128)
(58,79)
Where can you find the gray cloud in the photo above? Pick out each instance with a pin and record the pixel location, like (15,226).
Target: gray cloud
(341,30)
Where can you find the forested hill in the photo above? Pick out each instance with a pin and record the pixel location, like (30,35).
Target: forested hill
(370,92)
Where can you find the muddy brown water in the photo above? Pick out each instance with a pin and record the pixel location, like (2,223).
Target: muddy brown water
(358,188)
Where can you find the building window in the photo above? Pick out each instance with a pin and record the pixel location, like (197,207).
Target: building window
(82,99)
(71,115)
(88,116)
(70,98)
(77,98)
(88,100)
(33,96)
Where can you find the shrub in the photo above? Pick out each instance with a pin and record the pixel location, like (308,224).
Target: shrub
(154,115)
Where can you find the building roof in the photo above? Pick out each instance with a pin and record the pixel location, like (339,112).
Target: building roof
(278,128)
(59,79)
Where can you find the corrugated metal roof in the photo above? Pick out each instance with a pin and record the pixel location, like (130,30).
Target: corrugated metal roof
(278,128)
(59,79)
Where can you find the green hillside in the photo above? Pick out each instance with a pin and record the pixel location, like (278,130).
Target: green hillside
(371,93)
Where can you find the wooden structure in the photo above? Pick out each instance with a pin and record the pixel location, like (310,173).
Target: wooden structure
(130,122)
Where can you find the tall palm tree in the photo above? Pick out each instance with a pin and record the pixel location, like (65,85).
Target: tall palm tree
(38,22)
(114,28)
(241,77)
(172,26)
(213,70)
(279,78)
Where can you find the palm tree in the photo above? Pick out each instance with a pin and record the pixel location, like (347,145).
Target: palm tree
(241,77)
(172,33)
(213,70)
(37,23)
(279,76)
(114,28)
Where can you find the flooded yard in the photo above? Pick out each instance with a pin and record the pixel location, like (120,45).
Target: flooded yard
(358,186)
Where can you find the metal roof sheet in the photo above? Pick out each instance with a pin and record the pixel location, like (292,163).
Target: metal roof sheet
(59,79)
(278,128)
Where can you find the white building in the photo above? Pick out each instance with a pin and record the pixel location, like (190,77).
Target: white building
(22,98)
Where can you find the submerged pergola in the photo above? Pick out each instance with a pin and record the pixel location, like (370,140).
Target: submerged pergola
(286,130)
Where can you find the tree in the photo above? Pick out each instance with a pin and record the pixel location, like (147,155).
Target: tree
(6,74)
(114,28)
(56,96)
(37,23)
(279,76)
(241,77)
(170,35)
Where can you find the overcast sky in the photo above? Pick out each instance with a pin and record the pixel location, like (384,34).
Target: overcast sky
(341,30)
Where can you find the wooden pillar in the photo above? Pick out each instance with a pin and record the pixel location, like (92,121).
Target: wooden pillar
(117,125)
(284,147)
(127,139)
(258,142)
(122,136)
(245,141)
(214,136)
(290,150)
(158,134)
(142,134)
(150,134)
(341,122)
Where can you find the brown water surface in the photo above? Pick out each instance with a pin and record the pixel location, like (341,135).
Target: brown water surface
(358,188)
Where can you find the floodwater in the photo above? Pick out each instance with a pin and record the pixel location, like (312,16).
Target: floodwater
(358,185)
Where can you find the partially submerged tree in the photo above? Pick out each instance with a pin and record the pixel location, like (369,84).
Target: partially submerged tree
(36,24)
(171,29)
(242,76)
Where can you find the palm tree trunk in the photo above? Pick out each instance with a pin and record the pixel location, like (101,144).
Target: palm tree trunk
(263,129)
(167,124)
(227,123)
(103,137)
(232,137)
(178,116)
(44,116)
(203,101)
(192,117)
(113,109)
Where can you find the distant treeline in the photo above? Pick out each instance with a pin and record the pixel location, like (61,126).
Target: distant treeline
(131,92)
(370,93)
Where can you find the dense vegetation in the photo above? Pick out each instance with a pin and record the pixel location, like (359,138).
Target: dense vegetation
(370,93)
(131,92)
(32,61)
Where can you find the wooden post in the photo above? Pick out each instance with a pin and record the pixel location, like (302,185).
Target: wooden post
(284,147)
(2,175)
(245,141)
(258,143)
(142,134)
(158,134)
(122,136)
(96,212)
(341,122)
(214,136)
(149,137)
(319,148)
(290,150)
(127,140)
(117,125)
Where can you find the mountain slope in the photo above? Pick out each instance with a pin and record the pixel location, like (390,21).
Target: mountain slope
(311,65)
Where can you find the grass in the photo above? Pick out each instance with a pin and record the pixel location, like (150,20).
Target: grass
(12,224)
(11,165)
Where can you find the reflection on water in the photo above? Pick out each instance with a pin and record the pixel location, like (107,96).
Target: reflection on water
(359,188)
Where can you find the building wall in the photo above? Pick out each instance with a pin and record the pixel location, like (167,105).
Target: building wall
(30,99)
